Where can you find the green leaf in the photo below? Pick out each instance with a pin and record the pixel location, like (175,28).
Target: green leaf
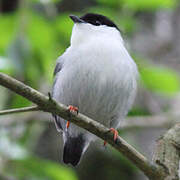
(109,3)
(7,30)
(140,5)
(161,80)
(136,111)
(19,101)
(56,1)
(40,32)
(149,4)
(44,40)
(40,168)
(64,26)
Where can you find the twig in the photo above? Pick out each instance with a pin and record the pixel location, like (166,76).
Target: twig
(151,170)
(19,110)
(164,120)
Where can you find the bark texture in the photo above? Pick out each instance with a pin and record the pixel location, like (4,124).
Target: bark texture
(167,153)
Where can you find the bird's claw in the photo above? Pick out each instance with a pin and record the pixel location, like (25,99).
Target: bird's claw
(115,132)
(71,109)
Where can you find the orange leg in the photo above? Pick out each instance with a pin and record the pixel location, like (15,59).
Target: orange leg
(115,132)
(71,109)
(67,124)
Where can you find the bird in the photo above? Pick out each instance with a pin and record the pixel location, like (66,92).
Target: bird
(96,76)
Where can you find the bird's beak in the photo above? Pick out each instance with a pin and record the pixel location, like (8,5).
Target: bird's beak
(76,19)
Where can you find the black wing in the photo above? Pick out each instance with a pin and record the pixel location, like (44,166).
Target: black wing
(57,122)
(57,69)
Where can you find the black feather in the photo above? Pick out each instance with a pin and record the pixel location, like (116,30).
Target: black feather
(97,20)
(73,150)
(57,68)
(57,122)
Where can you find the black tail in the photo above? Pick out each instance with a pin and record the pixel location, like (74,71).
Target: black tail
(73,149)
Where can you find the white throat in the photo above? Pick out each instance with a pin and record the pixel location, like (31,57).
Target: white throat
(85,32)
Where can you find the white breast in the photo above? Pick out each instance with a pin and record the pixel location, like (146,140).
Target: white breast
(99,77)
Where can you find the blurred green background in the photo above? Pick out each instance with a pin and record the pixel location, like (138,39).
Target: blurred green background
(33,33)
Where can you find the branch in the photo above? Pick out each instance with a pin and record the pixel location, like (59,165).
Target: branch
(19,110)
(168,152)
(49,105)
(163,120)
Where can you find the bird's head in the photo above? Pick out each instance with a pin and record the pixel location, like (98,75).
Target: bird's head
(93,25)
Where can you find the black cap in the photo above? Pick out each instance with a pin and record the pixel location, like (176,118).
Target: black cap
(76,19)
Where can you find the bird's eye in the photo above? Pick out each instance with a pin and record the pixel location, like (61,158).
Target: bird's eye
(97,23)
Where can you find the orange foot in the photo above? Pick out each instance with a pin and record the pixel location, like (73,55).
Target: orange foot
(115,132)
(71,109)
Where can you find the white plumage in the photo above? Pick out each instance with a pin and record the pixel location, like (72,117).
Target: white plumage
(97,75)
